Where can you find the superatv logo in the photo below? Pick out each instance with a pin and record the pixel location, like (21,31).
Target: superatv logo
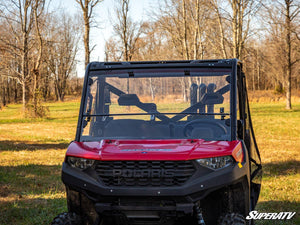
(145,173)
(254,215)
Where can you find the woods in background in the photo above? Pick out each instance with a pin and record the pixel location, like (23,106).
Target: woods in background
(38,47)
(38,50)
(263,34)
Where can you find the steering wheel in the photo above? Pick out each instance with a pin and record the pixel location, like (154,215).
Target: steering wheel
(188,128)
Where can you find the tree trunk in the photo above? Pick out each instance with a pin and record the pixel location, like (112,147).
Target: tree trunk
(35,91)
(16,92)
(152,89)
(221,30)
(253,78)
(24,96)
(288,51)
(25,33)
(258,77)
(8,91)
(197,33)
(58,96)
(185,38)
(86,35)
(288,92)
(234,29)
(87,9)
(238,35)
(24,76)
(4,94)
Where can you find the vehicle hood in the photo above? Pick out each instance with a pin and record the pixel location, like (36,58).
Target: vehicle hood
(179,149)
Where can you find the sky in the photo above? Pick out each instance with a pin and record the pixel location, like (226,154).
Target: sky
(139,10)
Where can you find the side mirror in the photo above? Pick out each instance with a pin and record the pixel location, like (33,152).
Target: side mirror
(128,99)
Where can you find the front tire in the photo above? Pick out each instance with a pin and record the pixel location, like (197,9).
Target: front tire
(232,219)
(67,219)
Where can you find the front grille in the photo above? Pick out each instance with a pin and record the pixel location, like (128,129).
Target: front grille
(144,173)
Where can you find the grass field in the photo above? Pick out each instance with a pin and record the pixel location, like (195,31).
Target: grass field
(31,153)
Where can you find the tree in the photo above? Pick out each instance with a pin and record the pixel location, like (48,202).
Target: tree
(242,11)
(38,10)
(185,21)
(291,11)
(126,30)
(87,7)
(282,25)
(30,39)
(8,85)
(112,52)
(19,19)
(61,51)
(220,20)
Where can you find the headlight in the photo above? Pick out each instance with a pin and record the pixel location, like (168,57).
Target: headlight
(216,162)
(80,163)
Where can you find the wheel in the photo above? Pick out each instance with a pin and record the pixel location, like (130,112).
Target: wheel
(232,219)
(67,219)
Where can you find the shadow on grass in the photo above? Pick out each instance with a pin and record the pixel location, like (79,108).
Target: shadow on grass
(37,211)
(26,180)
(30,194)
(19,146)
(276,207)
(283,168)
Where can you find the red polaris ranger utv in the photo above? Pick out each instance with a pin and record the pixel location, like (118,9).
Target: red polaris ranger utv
(162,142)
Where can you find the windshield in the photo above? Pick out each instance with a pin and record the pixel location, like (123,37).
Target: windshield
(152,104)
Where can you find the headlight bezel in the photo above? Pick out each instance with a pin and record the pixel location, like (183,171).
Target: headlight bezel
(216,163)
(80,163)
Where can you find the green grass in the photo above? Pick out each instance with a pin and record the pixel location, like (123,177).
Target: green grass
(278,136)
(31,153)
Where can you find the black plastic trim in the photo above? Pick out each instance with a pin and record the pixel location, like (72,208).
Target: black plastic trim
(81,180)
(161,64)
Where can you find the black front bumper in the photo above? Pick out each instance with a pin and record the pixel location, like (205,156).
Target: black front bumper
(199,183)
(88,195)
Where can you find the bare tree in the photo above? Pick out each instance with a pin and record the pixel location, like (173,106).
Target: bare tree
(87,7)
(112,51)
(185,30)
(126,30)
(27,44)
(291,11)
(61,52)
(8,85)
(184,21)
(19,18)
(38,10)
(242,13)
(170,20)
(283,17)
(220,20)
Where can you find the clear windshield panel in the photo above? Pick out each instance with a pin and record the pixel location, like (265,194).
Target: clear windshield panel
(157,106)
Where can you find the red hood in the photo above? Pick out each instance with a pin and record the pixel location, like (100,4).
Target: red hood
(152,149)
